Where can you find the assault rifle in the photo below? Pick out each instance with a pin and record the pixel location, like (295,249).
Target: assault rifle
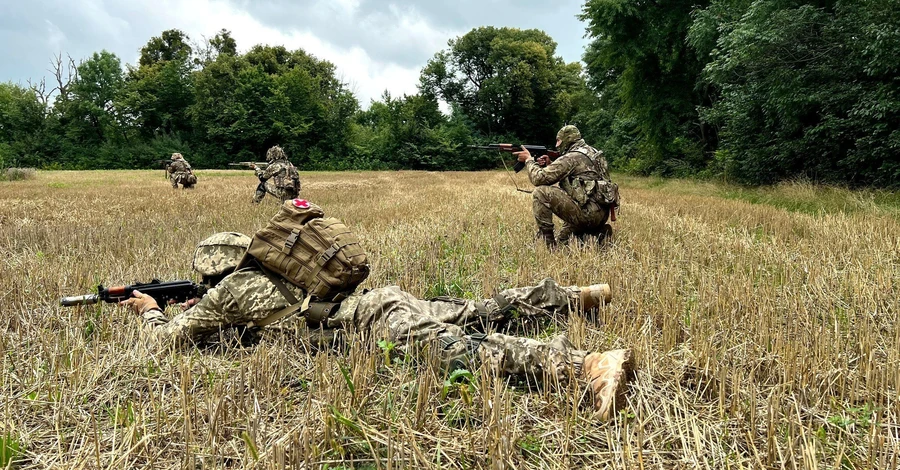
(165,165)
(260,165)
(162,292)
(536,151)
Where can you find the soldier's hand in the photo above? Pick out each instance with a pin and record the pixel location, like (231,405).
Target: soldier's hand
(141,303)
(543,160)
(190,303)
(523,155)
(252,166)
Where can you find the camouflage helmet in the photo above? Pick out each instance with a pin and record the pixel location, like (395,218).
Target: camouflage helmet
(567,136)
(177,156)
(220,253)
(275,153)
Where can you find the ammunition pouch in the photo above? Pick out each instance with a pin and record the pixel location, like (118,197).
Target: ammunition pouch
(318,312)
(469,358)
(503,308)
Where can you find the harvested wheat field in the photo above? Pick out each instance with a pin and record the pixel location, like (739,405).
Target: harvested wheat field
(766,335)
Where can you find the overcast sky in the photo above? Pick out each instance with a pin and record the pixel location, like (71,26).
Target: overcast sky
(376,45)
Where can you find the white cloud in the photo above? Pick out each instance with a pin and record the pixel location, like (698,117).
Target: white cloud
(376,45)
(55,36)
(366,76)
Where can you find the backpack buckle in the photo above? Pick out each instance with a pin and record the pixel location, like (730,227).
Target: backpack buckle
(290,241)
(328,254)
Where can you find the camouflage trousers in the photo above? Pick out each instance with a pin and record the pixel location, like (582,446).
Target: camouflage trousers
(548,201)
(282,194)
(186,180)
(448,327)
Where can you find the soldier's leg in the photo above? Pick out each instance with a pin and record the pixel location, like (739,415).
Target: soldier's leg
(285,194)
(398,316)
(174,180)
(259,194)
(543,214)
(265,188)
(565,233)
(391,313)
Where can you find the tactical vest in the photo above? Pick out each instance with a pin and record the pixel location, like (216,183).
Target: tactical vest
(585,188)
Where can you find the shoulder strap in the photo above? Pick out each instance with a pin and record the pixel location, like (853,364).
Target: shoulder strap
(289,310)
(591,163)
(295,305)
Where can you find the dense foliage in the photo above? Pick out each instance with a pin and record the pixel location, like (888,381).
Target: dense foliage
(756,91)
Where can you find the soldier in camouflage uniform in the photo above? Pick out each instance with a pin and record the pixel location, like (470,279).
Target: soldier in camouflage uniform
(446,326)
(180,172)
(580,171)
(279,178)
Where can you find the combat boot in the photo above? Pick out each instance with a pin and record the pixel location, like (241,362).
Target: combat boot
(549,238)
(595,295)
(607,375)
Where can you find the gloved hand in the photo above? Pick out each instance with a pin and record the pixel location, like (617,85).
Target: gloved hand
(141,303)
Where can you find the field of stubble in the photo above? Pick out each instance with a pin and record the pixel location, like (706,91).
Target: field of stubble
(765,338)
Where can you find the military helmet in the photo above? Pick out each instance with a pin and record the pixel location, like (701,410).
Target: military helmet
(220,253)
(567,136)
(177,156)
(275,153)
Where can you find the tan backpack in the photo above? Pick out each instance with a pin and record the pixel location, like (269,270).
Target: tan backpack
(316,253)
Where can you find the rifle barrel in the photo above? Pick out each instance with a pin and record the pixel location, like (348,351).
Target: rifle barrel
(88,299)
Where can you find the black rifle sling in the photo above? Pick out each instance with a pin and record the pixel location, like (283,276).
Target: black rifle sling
(294,306)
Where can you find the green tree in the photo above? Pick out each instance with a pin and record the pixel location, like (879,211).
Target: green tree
(89,109)
(246,103)
(807,89)
(409,132)
(21,125)
(158,92)
(639,53)
(507,81)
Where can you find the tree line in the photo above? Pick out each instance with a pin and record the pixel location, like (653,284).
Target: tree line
(753,91)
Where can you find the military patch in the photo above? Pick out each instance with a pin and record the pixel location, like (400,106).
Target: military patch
(301,203)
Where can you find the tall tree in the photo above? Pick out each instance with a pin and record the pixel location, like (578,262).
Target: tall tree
(270,95)
(158,91)
(808,88)
(639,52)
(89,108)
(21,123)
(507,81)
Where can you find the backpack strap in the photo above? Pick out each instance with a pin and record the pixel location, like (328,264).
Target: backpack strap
(295,305)
(321,261)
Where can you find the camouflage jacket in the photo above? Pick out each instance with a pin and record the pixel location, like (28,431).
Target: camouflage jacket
(578,172)
(244,296)
(179,166)
(282,173)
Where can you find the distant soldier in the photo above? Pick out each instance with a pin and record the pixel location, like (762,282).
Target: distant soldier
(279,178)
(585,196)
(180,172)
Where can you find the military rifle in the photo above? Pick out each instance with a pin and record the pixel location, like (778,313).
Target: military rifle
(162,292)
(260,165)
(536,151)
(165,164)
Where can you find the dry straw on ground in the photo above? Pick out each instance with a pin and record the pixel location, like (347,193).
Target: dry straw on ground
(765,338)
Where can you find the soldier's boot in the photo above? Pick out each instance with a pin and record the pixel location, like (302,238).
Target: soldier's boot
(606,234)
(548,237)
(607,375)
(595,295)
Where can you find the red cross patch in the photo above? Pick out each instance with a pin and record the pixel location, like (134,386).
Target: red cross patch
(301,203)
